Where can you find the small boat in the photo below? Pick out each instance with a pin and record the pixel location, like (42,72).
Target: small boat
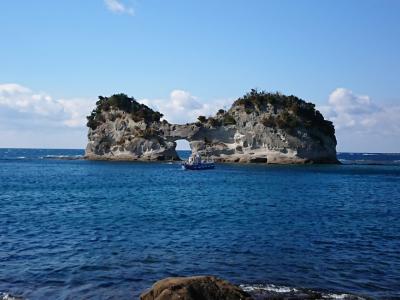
(196,163)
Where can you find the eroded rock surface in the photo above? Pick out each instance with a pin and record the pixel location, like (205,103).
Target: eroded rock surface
(259,127)
(194,288)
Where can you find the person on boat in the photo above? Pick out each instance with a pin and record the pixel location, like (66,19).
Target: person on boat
(195,162)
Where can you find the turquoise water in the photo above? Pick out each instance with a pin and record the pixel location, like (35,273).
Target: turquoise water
(74,229)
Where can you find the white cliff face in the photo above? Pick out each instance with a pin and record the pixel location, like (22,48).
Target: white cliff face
(119,137)
(238,135)
(249,140)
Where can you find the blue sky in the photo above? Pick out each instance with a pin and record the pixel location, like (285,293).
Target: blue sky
(189,57)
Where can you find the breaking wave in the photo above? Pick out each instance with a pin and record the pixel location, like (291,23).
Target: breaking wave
(70,157)
(7,296)
(369,158)
(276,292)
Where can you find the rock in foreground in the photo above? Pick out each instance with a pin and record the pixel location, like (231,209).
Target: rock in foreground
(194,288)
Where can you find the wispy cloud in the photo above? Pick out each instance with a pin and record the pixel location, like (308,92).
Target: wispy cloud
(116,6)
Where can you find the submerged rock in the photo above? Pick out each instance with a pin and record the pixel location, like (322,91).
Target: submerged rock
(194,288)
(259,128)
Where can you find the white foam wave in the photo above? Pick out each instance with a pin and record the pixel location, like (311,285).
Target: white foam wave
(335,296)
(332,296)
(292,292)
(6,296)
(51,156)
(268,288)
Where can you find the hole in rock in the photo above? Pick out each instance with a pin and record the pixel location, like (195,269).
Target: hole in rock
(183,149)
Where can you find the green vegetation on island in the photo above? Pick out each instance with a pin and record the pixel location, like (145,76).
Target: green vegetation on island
(286,112)
(124,103)
(223,118)
(290,112)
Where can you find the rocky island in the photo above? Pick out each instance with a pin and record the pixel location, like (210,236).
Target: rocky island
(259,127)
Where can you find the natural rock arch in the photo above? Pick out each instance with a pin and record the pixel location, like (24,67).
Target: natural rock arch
(259,127)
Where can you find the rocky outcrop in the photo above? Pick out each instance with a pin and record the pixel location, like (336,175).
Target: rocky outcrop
(194,288)
(212,288)
(259,127)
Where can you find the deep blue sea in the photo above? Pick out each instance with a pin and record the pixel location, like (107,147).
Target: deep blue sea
(76,229)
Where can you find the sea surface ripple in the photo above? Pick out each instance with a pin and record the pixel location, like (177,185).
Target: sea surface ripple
(75,229)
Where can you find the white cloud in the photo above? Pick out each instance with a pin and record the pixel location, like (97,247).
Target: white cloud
(18,102)
(346,101)
(29,118)
(35,119)
(116,6)
(76,111)
(182,107)
(349,110)
(362,125)
(22,107)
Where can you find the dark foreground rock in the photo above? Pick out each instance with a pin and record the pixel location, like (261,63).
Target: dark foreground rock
(194,288)
(212,288)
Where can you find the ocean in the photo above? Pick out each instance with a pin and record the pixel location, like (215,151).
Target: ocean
(76,229)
